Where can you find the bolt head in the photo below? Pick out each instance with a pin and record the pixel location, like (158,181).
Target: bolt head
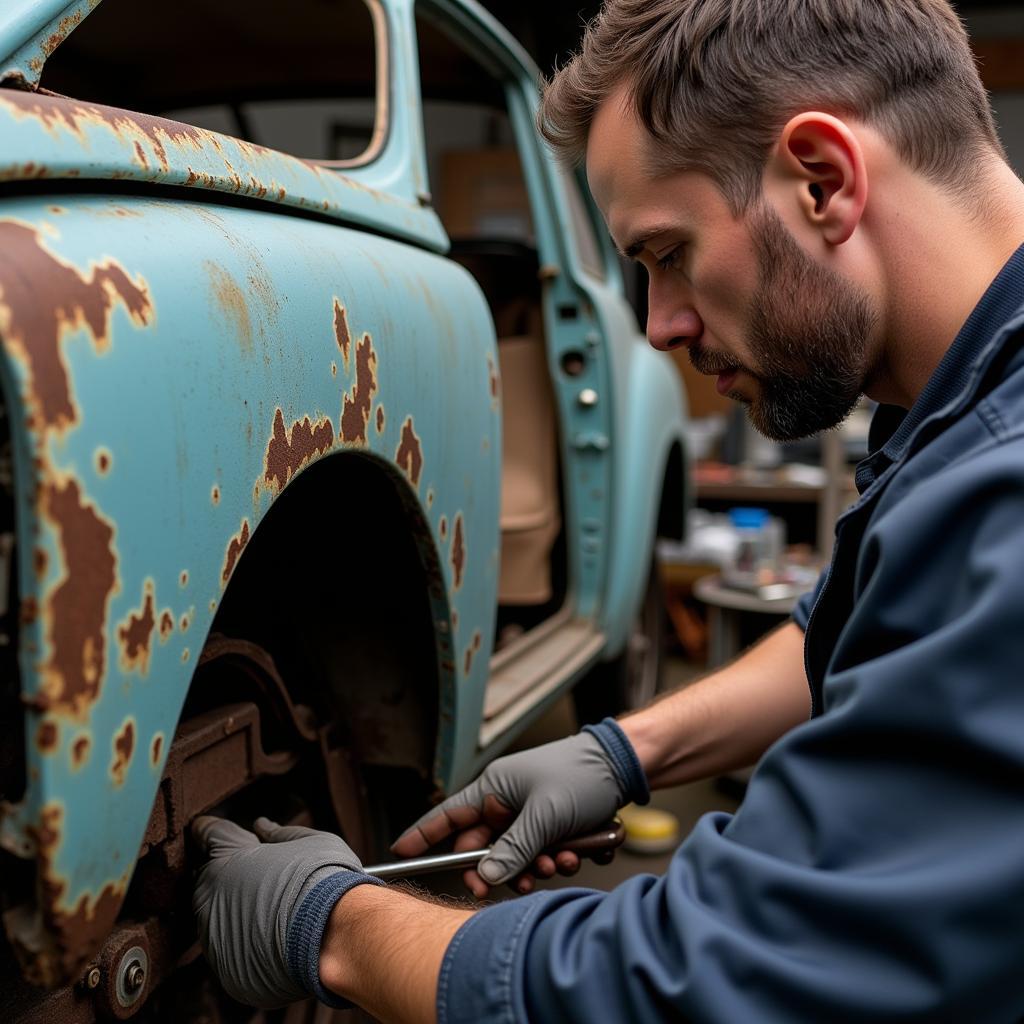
(93,978)
(588,398)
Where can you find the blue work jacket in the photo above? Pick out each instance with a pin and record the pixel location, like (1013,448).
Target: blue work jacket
(875,870)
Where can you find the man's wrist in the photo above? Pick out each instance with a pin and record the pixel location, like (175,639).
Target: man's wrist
(376,934)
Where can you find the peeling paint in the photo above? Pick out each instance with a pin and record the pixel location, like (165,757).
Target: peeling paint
(166,625)
(135,634)
(43,299)
(75,610)
(458,554)
(235,546)
(77,931)
(40,562)
(355,412)
(47,737)
(290,449)
(492,374)
(80,751)
(341,331)
(124,746)
(409,455)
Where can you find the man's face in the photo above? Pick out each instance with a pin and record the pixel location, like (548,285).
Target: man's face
(785,336)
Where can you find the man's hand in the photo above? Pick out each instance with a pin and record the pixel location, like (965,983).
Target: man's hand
(537,798)
(262,902)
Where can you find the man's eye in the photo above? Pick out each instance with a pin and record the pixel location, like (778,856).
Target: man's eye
(670,258)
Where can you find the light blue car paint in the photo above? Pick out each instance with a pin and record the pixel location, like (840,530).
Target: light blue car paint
(175,363)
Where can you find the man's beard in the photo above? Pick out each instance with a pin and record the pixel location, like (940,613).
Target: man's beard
(808,335)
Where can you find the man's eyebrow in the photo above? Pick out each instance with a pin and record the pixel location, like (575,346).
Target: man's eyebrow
(634,248)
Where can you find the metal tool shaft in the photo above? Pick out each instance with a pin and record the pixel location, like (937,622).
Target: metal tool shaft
(599,846)
(428,865)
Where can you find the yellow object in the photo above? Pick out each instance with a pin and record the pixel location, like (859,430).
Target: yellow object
(649,830)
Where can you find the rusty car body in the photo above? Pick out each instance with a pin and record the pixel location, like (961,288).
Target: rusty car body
(252,519)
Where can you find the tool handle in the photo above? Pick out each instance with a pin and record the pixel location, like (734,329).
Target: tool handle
(599,846)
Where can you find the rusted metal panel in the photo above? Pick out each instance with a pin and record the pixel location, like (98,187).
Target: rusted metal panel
(50,137)
(210,384)
(30,32)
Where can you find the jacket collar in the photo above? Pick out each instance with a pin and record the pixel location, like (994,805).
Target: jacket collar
(958,376)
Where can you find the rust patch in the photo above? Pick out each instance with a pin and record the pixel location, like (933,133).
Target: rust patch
(232,302)
(442,527)
(410,453)
(77,932)
(75,611)
(492,373)
(124,746)
(334,368)
(42,299)
(380,419)
(140,156)
(136,633)
(80,751)
(166,625)
(430,498)
(215,495)
(184,578)
(355,413)
(477,640)
(40,560)
(235,547)
(290,449)
(467,661)
(155,749)
(455,619)
(103,461)
(458,556)
(47,736)
(185,621)
(184,655)
(75,116)
(341,331)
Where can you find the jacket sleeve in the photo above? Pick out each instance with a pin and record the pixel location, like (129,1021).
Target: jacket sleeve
(875,871)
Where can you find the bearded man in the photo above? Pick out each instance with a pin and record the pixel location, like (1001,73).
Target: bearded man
(818,194)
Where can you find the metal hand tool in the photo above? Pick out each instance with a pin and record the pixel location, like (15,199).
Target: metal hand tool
(599,846)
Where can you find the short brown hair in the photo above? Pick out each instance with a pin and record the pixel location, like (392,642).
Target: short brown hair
(714,82)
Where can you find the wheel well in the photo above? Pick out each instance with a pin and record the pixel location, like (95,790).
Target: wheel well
(334,586)
(672,511)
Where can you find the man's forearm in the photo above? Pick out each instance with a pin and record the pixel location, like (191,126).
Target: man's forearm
(728,719)
(382,950)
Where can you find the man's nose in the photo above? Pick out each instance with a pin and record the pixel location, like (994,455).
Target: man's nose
(671,322)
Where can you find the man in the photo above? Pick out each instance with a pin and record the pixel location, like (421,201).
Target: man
(817,192)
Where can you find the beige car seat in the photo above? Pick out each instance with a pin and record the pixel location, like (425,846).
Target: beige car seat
(530,519)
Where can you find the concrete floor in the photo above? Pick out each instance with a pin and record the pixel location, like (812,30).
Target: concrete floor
(687,803)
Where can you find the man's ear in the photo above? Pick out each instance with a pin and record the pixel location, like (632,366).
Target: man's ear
(822,159)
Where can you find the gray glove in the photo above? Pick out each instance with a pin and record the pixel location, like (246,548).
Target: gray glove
(262,907)
(558,790)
